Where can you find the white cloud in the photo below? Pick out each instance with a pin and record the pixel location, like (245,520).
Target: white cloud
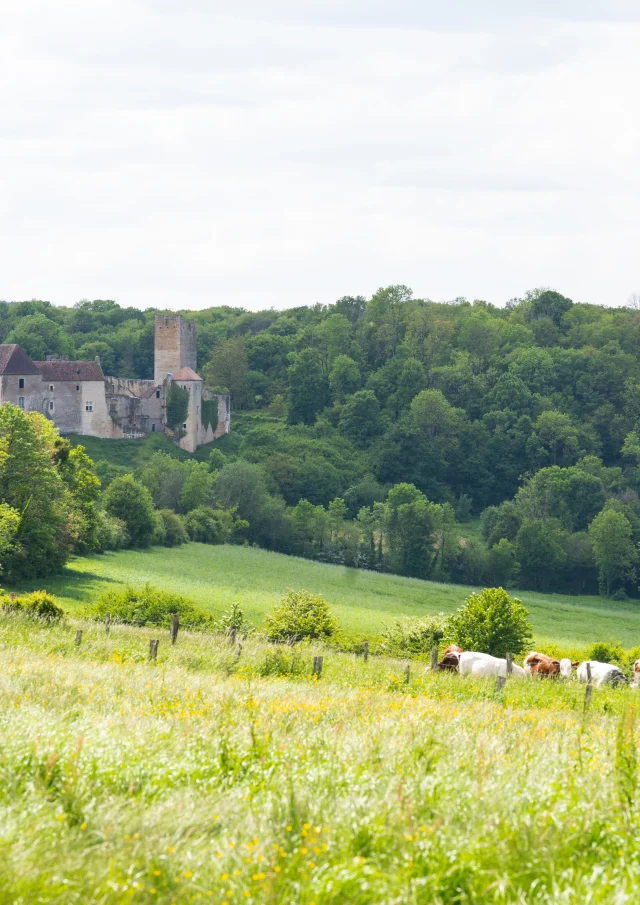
(173,154)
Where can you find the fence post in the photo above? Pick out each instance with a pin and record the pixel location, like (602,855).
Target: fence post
(509,663)
(589,689)
(407,674)
(317,666)
(107,623)
(365,651)
(238,651)
(153,649)
(175,625)
(434,658)
(232,635)
(78,637)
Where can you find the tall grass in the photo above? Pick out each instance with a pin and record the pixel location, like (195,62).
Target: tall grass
(193,779)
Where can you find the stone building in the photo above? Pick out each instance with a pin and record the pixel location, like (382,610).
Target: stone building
(79,399)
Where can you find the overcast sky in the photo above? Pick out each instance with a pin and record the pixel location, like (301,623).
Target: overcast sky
(187,153)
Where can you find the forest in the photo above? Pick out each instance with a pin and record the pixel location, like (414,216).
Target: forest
(366,430)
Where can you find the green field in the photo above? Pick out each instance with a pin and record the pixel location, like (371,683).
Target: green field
(215,577)
(208,777)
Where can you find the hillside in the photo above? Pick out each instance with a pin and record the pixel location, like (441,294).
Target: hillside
(363,601)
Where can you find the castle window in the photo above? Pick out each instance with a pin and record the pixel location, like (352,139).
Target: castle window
(21,383)
(157,394)
(185,425)
(51,387)
(21,401)
(51,405)
(77,386)
(153,428)
(88,406)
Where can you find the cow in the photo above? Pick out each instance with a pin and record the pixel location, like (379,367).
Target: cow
(566,666)
(450,659)
(536,664)
(636,674)
(601,674)
(483,665)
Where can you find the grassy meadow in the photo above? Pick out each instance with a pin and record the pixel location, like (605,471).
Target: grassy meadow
(203,777)
(215,577)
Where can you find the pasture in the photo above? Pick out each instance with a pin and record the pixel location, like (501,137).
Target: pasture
(215,577)
(201,777)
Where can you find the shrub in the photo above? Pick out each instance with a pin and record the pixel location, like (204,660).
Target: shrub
(175,532)
(111,532)
(491,622)
(300,615)
(235,618)
(149,605)
(282,663)
(131,502)
(37,605)
(408,635)
(212,526)
(607,652)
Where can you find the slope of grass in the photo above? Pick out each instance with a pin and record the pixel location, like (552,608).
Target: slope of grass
(215,577)
(194,778)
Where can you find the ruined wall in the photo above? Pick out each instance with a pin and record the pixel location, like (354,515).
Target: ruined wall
(175,346)
(192,425)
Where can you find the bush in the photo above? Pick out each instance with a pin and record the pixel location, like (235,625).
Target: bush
(282,663)
(131,502)
(213,526)
(408,635)
(235,619)
(175,532)
(149,606)
(111,532)
(607,652)
(300,615)
(37,605)
(491,622)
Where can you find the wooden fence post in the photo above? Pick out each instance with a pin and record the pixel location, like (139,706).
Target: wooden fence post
(317,666)
(434,658)
(153,649)
(78,637)
(589,689)
(175,625)
(238,651)
(232,635)
(509,663)
(107,623)
(365,651)
(407,674)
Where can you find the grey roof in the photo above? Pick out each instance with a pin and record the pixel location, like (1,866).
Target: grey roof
(14,361)
(70,370)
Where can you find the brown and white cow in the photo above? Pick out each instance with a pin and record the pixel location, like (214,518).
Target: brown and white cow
(450,659)
(536,664)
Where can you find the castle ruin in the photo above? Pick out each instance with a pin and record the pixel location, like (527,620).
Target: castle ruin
(79,399)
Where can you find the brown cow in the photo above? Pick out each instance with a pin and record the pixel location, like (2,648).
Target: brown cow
(541,665)
(450,659)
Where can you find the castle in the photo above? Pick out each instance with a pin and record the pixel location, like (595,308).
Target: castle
(79,399)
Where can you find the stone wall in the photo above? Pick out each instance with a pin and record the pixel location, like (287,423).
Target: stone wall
(11,391)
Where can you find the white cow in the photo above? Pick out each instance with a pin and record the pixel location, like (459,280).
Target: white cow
(602,673)
(566,666)
(636,674)
(483,665)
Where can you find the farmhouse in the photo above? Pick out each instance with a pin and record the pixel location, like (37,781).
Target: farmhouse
(79,399)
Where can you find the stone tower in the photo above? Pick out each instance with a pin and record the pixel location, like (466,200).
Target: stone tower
(175,346)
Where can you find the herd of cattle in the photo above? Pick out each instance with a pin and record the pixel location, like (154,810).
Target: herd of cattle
(471,663)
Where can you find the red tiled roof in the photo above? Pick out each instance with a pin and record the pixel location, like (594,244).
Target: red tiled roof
(14,361)
(186,374)
(70,370)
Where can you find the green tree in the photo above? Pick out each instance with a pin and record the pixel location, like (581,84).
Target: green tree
(40,336)
(492,622)
(344,378)
(502,565)
(360,418)
(555,440)
(540,551)
(227,371)
(131,502)
(198,487)
(300,615)
(614,551)
(307,387)
(408,528)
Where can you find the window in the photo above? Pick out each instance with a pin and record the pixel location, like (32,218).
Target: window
(77,386)
(21,401)
(185,425)
(51,387)
(51,405)
(21,383)
(157,394)
(88,406)
(153,428)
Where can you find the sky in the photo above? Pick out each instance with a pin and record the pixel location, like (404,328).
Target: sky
(189,153)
